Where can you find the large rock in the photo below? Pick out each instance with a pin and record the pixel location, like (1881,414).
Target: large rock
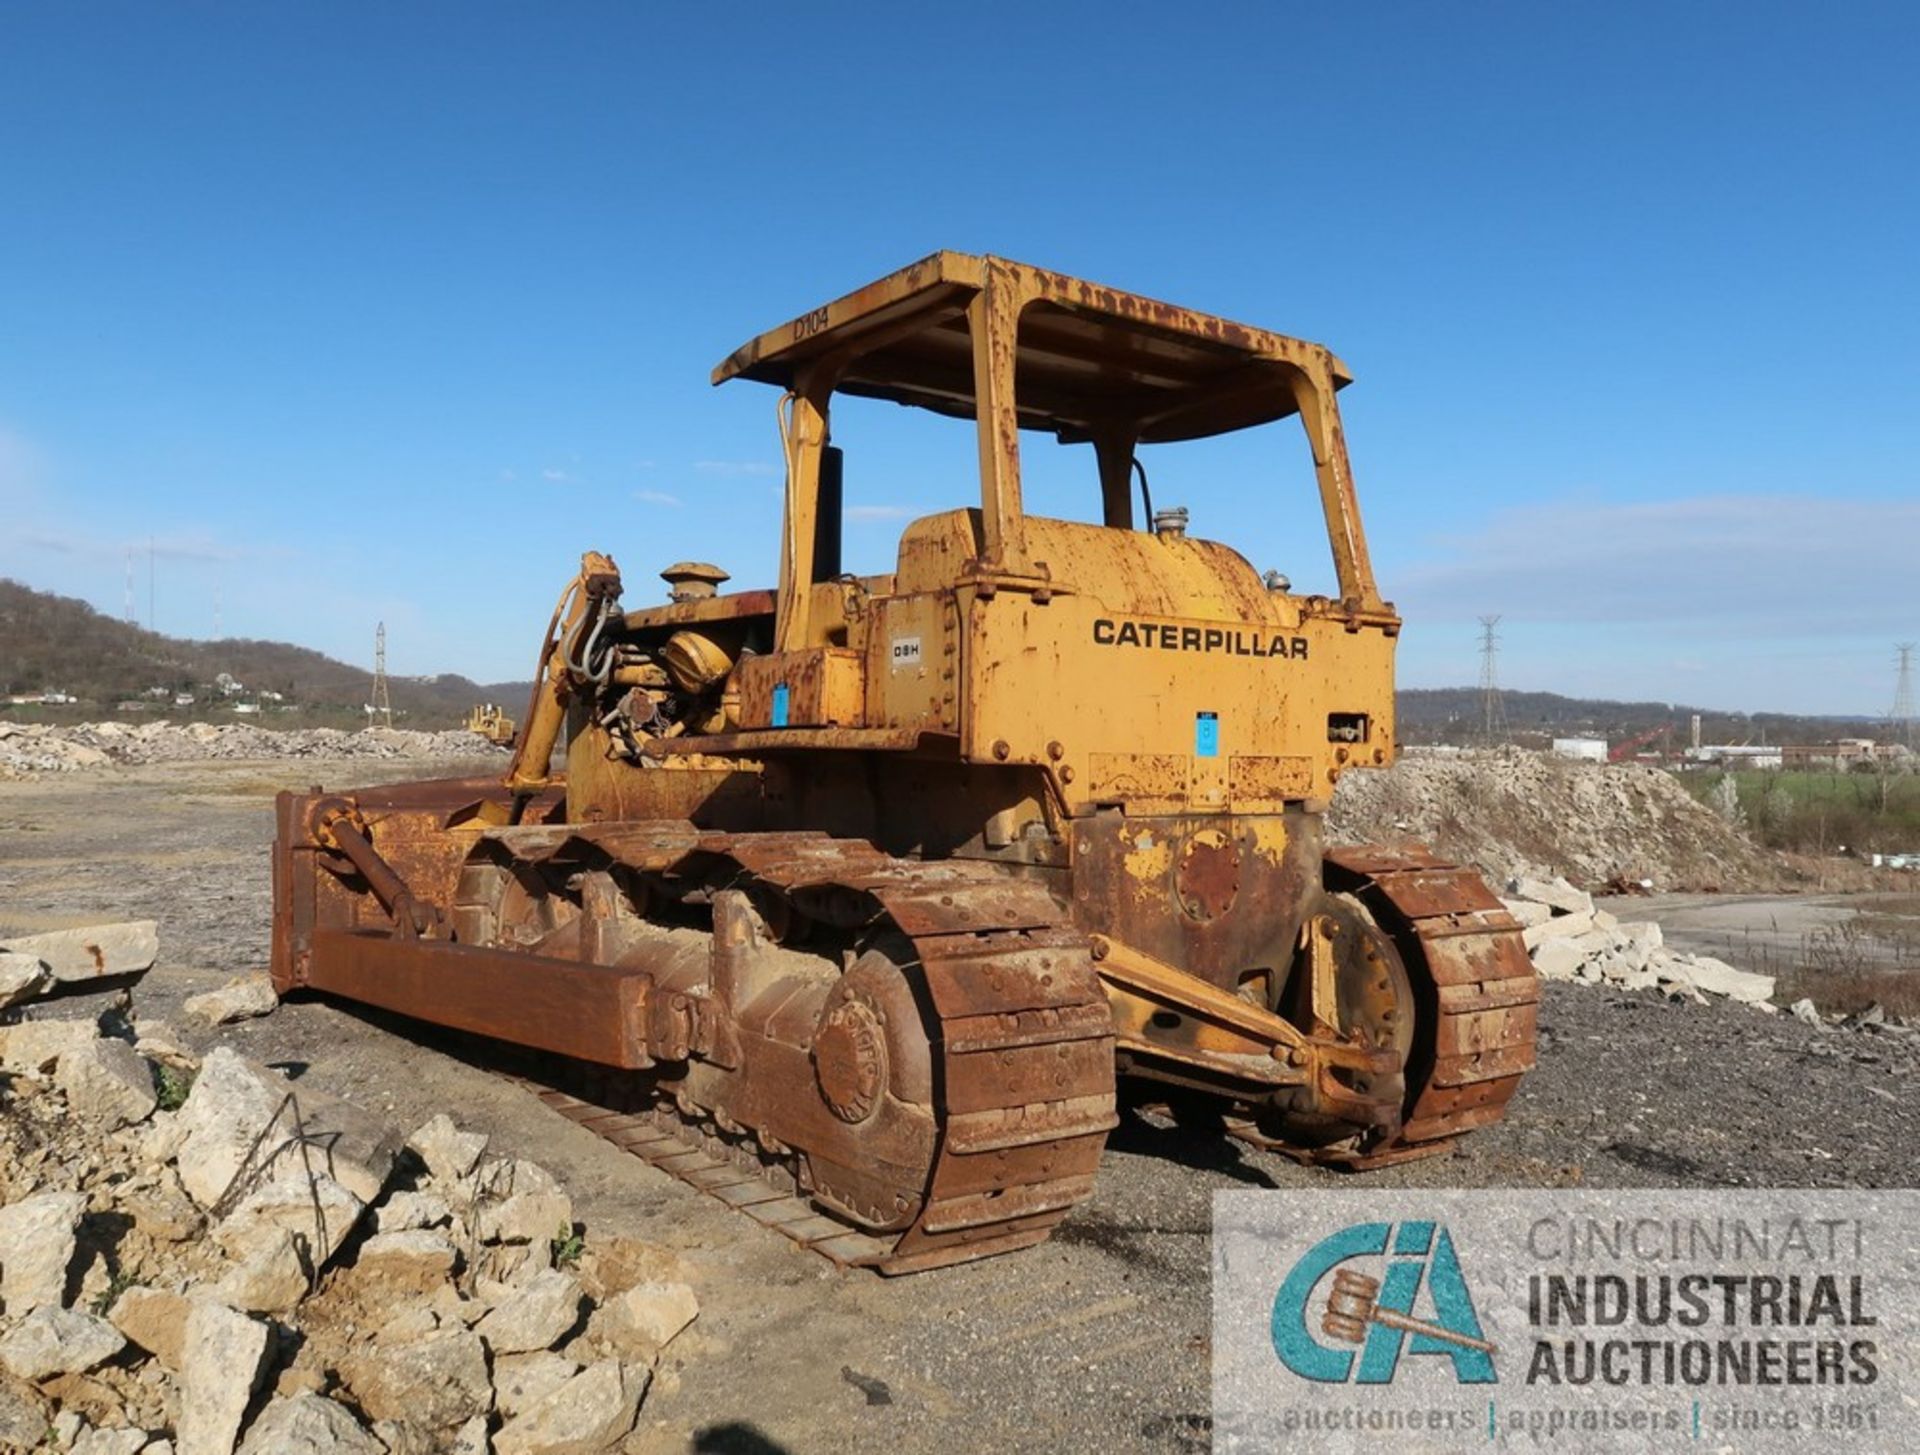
(592,1412)
(517,1201)
(23,1415)
(1556,894)
(308,1424)
(36,1248)
(315,1209)
(1558,960)
(245,1122)
(449,1153)
(438,1383)
(22,978)
(226,1353)
(37,1046)
(645,1318)
(1717,977)
(156,1320)
(520,1381)
(1561,926)
(404,1211)
(273,1278)
(535,1317)
(97,952)
(107,1082)
(415,1261)
(242,998)
(52,1341)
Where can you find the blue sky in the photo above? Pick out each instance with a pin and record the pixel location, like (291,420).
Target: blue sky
(369,311)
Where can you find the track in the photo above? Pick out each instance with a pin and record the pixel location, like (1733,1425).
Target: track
(1475,984)
(1018,1025)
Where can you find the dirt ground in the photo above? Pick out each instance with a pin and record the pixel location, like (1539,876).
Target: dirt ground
(1097,1339)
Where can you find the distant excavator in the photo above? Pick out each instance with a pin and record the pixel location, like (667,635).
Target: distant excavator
(862,899)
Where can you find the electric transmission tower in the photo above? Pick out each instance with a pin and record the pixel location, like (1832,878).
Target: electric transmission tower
(382,709)
(126,608)
(1493,712)
(1900,720)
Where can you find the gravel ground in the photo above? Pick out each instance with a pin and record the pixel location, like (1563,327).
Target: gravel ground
(1097,1339)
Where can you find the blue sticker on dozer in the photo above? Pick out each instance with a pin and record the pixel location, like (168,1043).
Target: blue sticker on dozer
(1206,735)
(780,705)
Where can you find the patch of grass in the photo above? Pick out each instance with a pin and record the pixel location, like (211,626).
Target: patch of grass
(118,1284)
(171,1085)
(567,1246)
(1818,812)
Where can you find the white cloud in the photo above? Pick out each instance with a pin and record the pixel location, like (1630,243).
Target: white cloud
(550,473)
(735,468)
(656,497)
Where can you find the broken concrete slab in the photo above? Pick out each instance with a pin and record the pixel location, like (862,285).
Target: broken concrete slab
(416,1260)
(309,1424)
(156,1320)
(273,1279)
(593,1411)
(37,1046)
(1561,925)
(314,1208)
(518,1201)
(96,952)
(53,1341)
(536,1317)
(449,1153)
(404,1211)
(37,1239)
(107,1082)
(243,1119)
(1555,893)
(438,1383)
(22,978)
(644,1319)
(521,1381)
(1717,977)
(225,1355)
(1805,1011)
(1558,960)
(245,997)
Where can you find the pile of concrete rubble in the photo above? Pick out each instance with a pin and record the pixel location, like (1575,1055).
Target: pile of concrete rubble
(199,1256)
(31,749)
(1571,939)
(1508,812)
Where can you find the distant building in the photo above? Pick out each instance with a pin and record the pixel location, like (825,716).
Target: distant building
(229,685)
(1740,755)
(1592,750)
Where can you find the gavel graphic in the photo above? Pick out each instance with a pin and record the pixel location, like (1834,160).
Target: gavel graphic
(1353,1304)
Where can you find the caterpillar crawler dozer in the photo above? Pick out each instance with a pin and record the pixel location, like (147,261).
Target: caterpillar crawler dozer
(861,900)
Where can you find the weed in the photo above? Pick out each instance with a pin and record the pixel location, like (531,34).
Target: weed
(118,1284)
(567,1247)
(171,1085)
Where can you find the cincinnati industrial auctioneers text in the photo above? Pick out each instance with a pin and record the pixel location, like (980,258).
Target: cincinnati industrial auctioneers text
(1733,1329)
(1176,637)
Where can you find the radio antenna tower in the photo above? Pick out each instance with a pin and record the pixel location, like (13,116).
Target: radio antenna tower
(1493,712)
(382,709)
(1900,720)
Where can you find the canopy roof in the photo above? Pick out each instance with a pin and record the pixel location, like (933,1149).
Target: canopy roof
(1087,356)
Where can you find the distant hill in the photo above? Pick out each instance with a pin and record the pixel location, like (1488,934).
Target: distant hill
(1456,715)
(51,643)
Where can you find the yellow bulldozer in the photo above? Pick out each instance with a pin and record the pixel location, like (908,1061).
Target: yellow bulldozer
(492,723)
(863,902)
